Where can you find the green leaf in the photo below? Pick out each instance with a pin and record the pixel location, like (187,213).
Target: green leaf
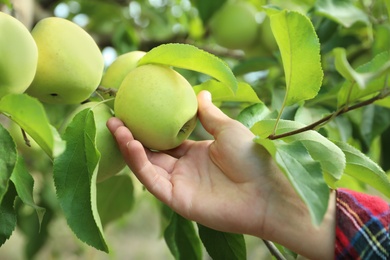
(387,2)
(207,8)
(181,238)
(343,12)
(383,102)
(320,148)
(7,214)
(30,115)
(222,245)
(244,93)
(303,172)
(7,3)
(345,69)
(373,75)
(374,121)
(8,157)
(255,113)
(115,197)
(189,57)
(24,184)
(361,167)
(297,41)
(75,174)
(254,64)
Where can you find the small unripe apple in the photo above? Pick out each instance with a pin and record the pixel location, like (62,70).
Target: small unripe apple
(118,70)
(111,160)
(70,64)
(265,44)
(18,56)
(234,26)
(158,105)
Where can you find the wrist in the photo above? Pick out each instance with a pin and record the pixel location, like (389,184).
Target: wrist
(291,226)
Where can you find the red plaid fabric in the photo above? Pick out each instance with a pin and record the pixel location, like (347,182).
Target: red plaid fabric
(362,226)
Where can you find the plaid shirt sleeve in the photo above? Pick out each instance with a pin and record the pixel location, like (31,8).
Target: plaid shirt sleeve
(362,226)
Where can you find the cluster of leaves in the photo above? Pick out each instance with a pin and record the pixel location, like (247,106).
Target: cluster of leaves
(319,104)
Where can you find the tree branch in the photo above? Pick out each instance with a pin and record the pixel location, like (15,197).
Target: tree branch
(274,250)
(384,93)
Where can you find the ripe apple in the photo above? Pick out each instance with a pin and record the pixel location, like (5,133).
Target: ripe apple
(111,160)
(118,70)
(234,26)
(158,105)
(18,56)
(70,64)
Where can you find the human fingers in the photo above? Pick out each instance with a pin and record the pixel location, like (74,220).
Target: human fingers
(125,139)
(155,178)
(211,117)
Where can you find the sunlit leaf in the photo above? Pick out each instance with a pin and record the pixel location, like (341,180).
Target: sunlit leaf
(182,239)
(244,93)
(75,179)
(189,57)
(222,245)
(303,172)
(297,40)
(24,184)
(255,113)
(341,11)
(374,79)
(345,69)
(30,115)
(320,148)
(361,167)
(8,157)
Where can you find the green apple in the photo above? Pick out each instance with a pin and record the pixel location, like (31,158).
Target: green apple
(234,26)
(265,44)
(70,64)
(158,105)
(111,160)
(18,56)
(118,70)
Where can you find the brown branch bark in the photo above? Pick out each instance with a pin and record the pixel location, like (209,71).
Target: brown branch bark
(383,94)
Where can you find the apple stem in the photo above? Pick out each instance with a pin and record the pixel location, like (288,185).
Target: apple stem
(110,91)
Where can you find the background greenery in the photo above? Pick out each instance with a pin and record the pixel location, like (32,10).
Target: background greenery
(362,28)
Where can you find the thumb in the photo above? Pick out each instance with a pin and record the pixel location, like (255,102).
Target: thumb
(211,117)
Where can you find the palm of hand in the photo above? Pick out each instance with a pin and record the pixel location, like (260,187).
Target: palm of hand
(205,181)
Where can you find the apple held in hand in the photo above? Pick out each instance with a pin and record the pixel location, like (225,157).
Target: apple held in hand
(111,160)
(158,105)
(70,64)
(18,56)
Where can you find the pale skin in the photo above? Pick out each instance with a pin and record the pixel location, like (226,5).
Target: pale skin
(229,184)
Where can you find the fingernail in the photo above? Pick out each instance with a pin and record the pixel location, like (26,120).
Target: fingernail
(207,95)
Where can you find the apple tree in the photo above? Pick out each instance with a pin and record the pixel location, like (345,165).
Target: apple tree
(309,78)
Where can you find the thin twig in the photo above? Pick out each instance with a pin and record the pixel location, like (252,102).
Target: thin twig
(383,94)
(274,250)
(25,138)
